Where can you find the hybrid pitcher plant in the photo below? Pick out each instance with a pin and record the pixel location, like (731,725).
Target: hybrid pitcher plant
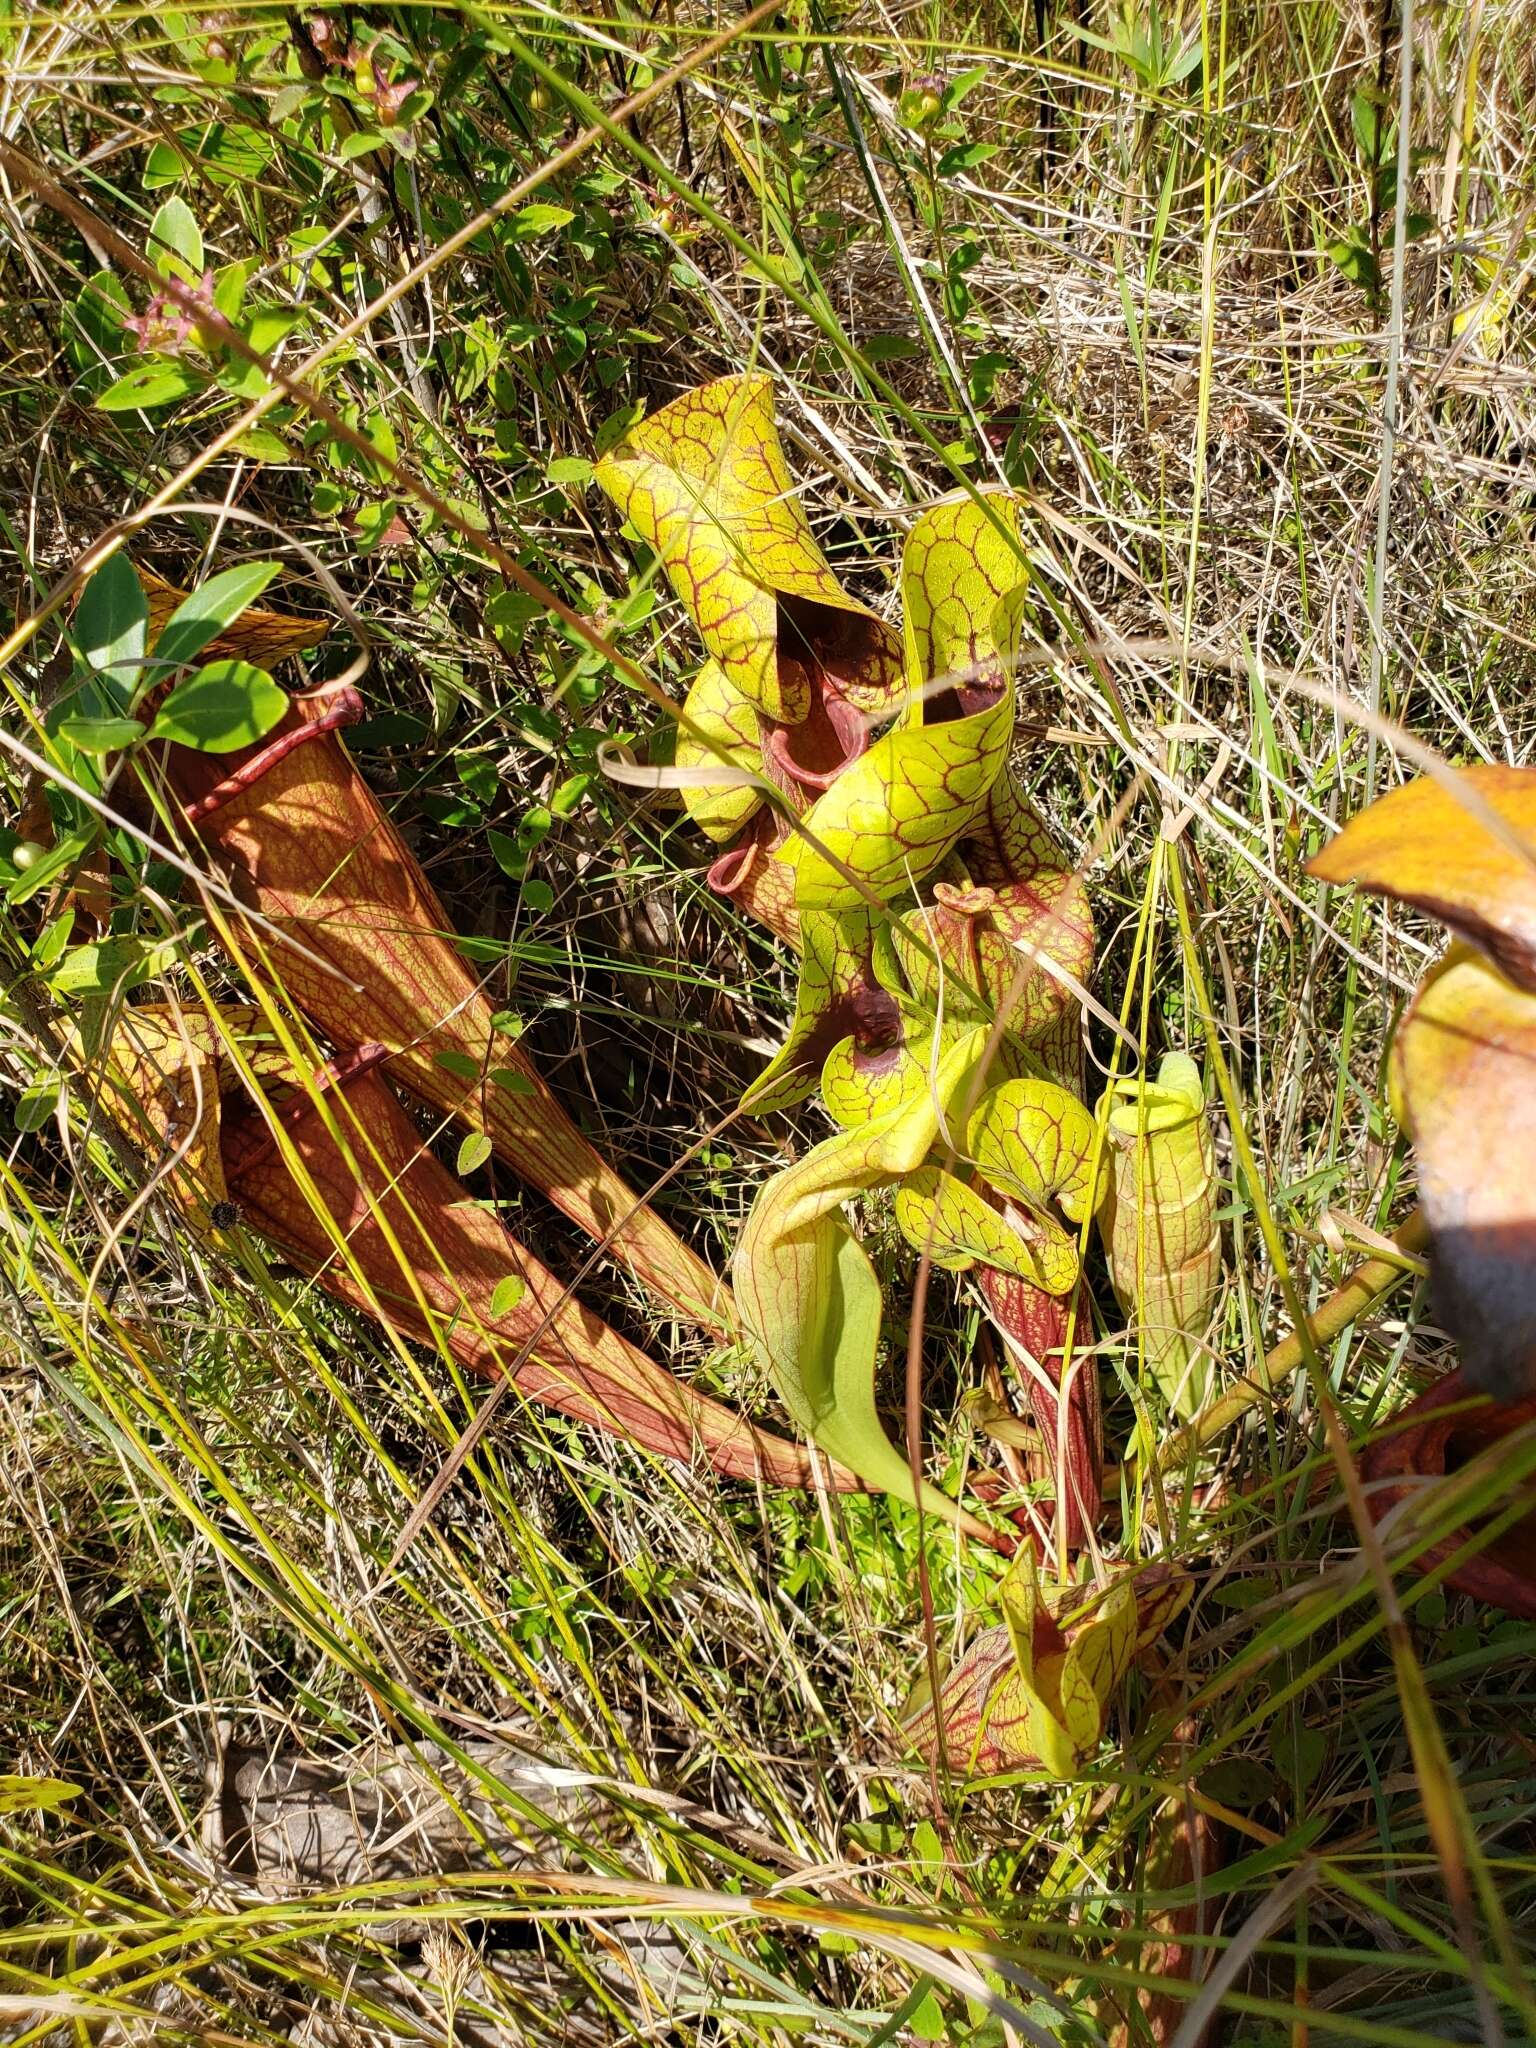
(866,812)
(859,786)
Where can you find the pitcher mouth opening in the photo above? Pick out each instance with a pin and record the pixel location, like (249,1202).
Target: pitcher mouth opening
(732,870)
(812,754)
(975,691)
(858,655)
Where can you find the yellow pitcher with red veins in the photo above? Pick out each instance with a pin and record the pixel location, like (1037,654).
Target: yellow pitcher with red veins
(882,835)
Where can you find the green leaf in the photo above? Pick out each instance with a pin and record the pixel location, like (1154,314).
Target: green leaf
(111,625)
(892,348)
(35,1106)
(51,941)
(262,445)
(229,289)
(150,385)
(511,1082)
(1184,64)
(176,242)
(459,1064)
(965,157)
(287,101)
(107,964)
(359,145)
(210,610)
(262,330)
(1375,129)
(539,219)
(509,856)
(1241,1782)
(1299,1753)
(927,1846)
(229,153)
(163,166)
(102,735)
(1354,257)
(884,1837)
(473,1153)
(808,1295)
(570,793)
(226,705)
(926,2019)
(97,318)
(957,88)
(506,1294)
(269,325)
(569,469)
(509,614)
(35,1795)
(617,425)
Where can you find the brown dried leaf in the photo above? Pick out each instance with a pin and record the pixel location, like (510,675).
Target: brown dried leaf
(1470,863)
(1464,1066)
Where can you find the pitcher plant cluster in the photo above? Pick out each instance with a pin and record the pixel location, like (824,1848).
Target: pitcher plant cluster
(859,784)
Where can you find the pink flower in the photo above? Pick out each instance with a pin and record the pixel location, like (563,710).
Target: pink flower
(168,322)
(388,99)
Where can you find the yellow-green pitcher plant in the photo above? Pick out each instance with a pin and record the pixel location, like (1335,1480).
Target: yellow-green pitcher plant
(870,819)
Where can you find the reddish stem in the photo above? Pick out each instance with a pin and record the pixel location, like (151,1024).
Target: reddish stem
(347,710)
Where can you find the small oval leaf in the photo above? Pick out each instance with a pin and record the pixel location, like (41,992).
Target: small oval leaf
(176,242)
(145,388)
(506,1295)
(473,1152)
(226,705)
(101,735)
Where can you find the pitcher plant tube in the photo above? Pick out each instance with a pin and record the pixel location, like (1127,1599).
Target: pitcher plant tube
(333,1174)
(1157,1217)
(1033,1693)
(1461,847)
(1440,1435)
(304,840)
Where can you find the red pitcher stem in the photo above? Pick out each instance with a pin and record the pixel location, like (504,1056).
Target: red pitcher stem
(347,710)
